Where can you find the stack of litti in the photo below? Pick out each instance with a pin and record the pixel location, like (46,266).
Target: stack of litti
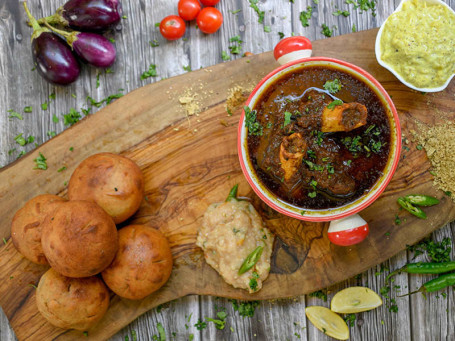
(78,238)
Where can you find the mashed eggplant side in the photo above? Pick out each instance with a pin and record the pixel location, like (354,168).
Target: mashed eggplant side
(230,232)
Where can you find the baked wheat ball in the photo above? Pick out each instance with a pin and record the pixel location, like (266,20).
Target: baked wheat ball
(27,225)
(142,264)
(71,303)
(114,182)
(79,239)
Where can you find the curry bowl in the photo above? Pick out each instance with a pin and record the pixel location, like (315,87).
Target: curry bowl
(439,40)
(293,164)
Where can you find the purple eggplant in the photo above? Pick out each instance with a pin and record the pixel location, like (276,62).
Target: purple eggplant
(52,56)
(92,48)
(87,15)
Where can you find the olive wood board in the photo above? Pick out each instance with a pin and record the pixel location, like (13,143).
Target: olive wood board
(189,163)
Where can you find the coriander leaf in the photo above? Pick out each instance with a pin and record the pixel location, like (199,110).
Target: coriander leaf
(44,106)
(72,117)
(112,40)
(287,118)
(327,31)
(225,56)
(281,34)
(97,80)
(333,86)
(28,109)
(151,72)
(349,319)
(40,162)
(354,28)
(161,331)
(305,16)
(253,5)
(51,133)
(267,29)
(254,127)
(316,2)
(200,325)
(14,114)
(61,169)
(154,43)
(343,13)
(333,104)
(55,118)
(319,294)
(245,309)
(236,11)
(187,68)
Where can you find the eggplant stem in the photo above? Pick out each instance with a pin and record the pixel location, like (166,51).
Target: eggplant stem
(70,37)
(55,19)
(37,29)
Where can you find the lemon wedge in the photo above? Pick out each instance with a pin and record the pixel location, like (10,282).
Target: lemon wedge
(328,322)
(355,300)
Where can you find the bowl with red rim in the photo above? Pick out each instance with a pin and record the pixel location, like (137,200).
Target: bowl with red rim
(294,54)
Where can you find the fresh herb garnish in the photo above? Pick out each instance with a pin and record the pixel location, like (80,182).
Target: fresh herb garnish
(225,56)
(319,294)
(311,154)
(151,72)
(161,332)
(438,252)
(333,86)
(267,29)
(254,128)
(287,118)
(281,34)
(106,100)
(334,103)
(200,325)
(154,43)
(364,5)
(40,162)
(44,106)
(253,281)
(220,323)
(28,109)
(61,169)
(340,12)
(327,31)
(14,114)
(237,47)
(354,28)
(22,141)
(72,117)
(349,319)
(236,11)
(187,68)
(254,6)
(51,133)
(305,16)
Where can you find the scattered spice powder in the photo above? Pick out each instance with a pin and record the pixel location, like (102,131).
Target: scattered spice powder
(439,145)
(237,96)
(189,102)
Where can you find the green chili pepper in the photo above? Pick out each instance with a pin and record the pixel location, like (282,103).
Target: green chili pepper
(411,208)
(424,268)
(233,193)
(422,200)
(251,260)
(436,284)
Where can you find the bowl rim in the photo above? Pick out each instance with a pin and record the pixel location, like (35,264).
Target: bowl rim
(377,51)
(351,210)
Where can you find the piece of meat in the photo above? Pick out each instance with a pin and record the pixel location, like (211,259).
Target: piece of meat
(311,109)
(345,117)
(292,150)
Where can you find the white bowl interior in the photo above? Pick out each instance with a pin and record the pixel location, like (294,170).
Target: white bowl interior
(377,50)
(329,214)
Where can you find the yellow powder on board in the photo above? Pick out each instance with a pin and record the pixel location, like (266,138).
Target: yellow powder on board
(190,103)
(439,144)
(236,97)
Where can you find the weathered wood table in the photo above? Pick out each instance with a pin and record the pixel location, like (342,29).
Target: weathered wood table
(20,87)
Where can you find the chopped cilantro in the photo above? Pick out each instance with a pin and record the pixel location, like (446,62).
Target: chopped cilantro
(254,6)
(254,127)
(354,28)
(327,31)
(397,220)
(245,309)
(253,281)
(40,162)
(237,47)
(225,56)
(305,16)
(236,11)
(364,5)
(112,40)
(97,80)
(106,100)
(154,43)
(161,331)
(281,34)
(311,154)
(51,133)
(319,294)
(55,118)
(333,86)
(437,251)
(44,106)
(22,141)
(52,96)
(334,104)
(200,325)
(28,109)
(267,29)
(72,117)
(349,319)
(287,118)
(187,68)
(151,72)
(419,147)
(343,13)
(312,194)
(14,114)
(61,169)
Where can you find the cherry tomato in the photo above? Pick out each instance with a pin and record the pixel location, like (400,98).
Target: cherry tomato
(348,231)
(210,2)
(172,27)
(189,9)
(209,20)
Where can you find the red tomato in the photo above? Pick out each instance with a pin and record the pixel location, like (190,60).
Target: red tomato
(348,231)
(210,2)
(172,27)
(209,20)
(189,9)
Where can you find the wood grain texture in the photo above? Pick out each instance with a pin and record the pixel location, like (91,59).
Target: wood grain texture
(198,51)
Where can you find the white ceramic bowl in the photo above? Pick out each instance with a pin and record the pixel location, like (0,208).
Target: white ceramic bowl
(390,68)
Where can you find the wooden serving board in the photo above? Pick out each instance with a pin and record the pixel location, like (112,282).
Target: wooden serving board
(188,167)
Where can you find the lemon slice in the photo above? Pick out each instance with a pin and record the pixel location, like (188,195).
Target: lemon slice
(328,322)
(355,300)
